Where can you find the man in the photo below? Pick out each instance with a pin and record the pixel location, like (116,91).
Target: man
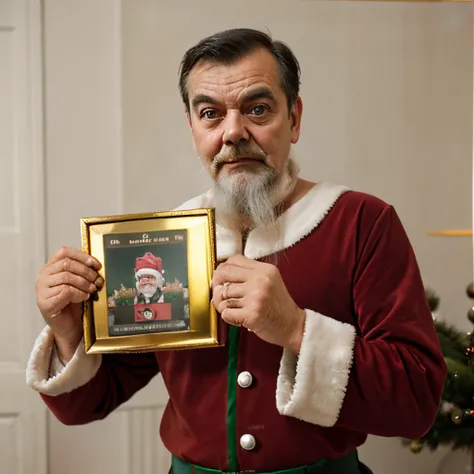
(330,337)
(149,279)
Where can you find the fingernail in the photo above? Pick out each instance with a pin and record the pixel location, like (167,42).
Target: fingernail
(92,288)
(99,282)
(93,263)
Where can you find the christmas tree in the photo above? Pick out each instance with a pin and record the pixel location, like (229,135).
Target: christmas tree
(454,424)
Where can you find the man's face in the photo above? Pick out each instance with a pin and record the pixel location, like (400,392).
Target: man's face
(147,285)
(146,280)
(239,117)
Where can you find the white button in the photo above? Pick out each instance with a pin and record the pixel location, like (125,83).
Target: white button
(247,442)
(245,379)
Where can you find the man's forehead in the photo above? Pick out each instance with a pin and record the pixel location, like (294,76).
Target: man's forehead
(258,69)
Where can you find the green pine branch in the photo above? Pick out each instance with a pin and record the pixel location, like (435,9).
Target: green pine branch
(456,431)
(453,342)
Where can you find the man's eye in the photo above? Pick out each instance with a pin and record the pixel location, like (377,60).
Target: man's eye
(209,114)
(258,109)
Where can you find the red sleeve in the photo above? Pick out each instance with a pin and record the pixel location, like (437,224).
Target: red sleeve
(398,370)
(118,378)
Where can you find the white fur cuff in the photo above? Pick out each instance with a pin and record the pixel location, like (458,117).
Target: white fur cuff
(46,374)
(312,387)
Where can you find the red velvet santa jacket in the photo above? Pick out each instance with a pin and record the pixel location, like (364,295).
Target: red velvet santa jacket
(370,362)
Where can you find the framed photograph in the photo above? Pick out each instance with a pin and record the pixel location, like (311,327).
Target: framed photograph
(157,269)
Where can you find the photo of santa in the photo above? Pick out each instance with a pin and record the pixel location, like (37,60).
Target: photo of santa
(146,280)
(149,279)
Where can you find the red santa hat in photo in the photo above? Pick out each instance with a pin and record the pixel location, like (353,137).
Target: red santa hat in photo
(149,265)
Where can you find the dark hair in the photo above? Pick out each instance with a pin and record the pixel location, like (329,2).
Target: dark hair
(231,45)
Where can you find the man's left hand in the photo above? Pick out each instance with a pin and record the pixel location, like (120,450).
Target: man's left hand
(252,294)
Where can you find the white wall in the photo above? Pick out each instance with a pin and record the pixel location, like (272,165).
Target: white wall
(387,90)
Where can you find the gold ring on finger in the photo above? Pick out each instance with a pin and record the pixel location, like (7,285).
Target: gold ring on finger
(233,303)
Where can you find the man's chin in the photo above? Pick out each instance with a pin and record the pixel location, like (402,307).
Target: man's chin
(241,174)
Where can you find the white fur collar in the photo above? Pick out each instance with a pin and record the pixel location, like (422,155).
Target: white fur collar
(297,222)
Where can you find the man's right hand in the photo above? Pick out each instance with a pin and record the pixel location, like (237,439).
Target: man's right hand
(64,283)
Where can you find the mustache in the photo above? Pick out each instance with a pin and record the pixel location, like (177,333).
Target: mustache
(230,154)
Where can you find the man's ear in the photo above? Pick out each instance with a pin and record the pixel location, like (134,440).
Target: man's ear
(295,117)
(190,122)
(188,117)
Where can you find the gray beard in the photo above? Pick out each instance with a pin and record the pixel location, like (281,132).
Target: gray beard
(251,197)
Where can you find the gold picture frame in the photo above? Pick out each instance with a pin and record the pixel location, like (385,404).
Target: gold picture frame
(170,253)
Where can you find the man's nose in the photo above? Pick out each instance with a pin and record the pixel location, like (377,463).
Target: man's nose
(235,129)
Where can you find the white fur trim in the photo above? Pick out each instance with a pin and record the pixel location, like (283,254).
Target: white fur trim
(297,222)
(228,242)
(45,373)
(312,387)
(56,365)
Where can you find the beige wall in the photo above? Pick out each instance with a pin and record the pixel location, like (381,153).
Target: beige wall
(387,91)
(388,100)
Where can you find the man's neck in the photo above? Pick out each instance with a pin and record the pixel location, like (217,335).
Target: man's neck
(302,187)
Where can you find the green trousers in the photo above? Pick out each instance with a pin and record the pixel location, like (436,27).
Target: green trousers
(348,464)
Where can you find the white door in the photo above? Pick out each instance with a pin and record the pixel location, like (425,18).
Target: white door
(22,414)
(82,41)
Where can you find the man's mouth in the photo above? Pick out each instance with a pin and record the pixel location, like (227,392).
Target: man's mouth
(235,162)
(243,160)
